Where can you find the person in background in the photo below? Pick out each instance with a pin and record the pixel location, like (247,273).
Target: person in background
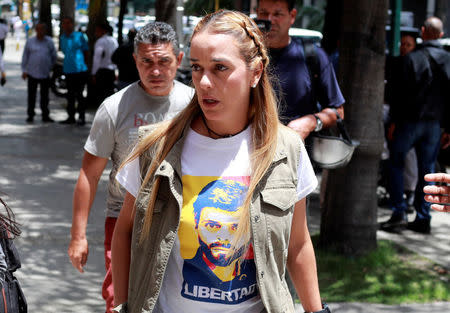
(393,73)
(103,69)
(156,97)
(123,58)
(206,223)
(3,33)
(418,118)
(12,299)
(39,56)
(298,96)
(74,45)
(439,196)
(2,70)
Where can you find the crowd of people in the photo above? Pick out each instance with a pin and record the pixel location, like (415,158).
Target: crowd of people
(206,205)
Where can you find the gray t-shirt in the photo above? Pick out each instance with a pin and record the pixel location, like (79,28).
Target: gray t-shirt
(115,127)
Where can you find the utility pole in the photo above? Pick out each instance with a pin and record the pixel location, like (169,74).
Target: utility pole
(396,9)
(431,6)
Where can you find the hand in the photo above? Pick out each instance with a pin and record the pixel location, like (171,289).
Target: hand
(24,76)
(438,195)
(445,140)
(78,252)
(303,125)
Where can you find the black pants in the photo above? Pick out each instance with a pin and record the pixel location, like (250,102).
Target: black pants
(75,87)
(32,88)
(104,84)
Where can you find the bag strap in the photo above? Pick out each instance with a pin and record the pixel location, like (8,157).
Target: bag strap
(433,64)
(341,127)
(313,65)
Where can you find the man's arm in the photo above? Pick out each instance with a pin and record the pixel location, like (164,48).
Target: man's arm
(301,262)
(306,124)
(25,60)
(91,170)
(121,250)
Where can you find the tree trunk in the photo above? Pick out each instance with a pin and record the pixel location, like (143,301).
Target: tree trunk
(45,15)
(165,11)
(441,10)
(122,11)
(349,215)
(67,9)
(331,28)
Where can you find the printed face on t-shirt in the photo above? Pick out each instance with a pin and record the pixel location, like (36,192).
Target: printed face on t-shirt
(216,229)
(209,221)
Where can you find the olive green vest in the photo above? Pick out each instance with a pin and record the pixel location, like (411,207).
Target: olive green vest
(271,214)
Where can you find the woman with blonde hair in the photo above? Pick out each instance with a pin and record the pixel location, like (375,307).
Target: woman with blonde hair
(215,203)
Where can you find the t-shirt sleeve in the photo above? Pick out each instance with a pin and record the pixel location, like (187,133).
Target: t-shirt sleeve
(101,137)
(307,180)
(129,177)
(330,94)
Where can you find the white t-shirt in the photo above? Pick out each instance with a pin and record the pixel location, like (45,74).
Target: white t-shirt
(215,177)
(103,50)
(115,127)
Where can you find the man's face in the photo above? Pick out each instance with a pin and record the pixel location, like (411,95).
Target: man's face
(40,31)
(407,44)
(216,228)
(67,25)
(157,66)
(281,19)
(99,32)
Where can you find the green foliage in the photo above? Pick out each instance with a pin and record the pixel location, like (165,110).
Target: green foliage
(203,7)
(391,275)
(143,5)
(315,14)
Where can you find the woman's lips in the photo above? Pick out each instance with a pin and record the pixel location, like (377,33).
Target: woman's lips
(210,101)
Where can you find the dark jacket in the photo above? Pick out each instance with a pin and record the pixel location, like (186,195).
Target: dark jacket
(423,86)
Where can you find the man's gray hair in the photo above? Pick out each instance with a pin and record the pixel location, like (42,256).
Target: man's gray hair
(157,33)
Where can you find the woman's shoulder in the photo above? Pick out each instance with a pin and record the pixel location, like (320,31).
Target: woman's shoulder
(288,136)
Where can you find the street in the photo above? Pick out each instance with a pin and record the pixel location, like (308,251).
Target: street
(40,165)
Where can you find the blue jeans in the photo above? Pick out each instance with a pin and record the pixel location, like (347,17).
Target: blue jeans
(424,136)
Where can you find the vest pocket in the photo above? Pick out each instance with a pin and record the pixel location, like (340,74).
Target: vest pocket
(277,207)
(282,197)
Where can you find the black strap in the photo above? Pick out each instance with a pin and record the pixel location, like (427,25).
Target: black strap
(313,65)
(433,64)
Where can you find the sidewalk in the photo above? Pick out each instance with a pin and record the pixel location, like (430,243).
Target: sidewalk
(40,164)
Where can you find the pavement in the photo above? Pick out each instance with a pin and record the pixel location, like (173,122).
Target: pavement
(40,165)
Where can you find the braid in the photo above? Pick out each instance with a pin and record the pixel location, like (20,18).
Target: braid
(257,42)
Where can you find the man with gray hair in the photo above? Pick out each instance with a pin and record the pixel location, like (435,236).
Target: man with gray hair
(154,98)
(418,116)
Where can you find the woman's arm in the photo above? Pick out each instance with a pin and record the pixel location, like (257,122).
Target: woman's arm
(301,262)
(121,250)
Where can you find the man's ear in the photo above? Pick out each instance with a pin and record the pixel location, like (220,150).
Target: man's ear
(180,58)
(293,14)
(134,57)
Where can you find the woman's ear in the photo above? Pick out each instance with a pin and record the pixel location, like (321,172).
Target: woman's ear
(257,72)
